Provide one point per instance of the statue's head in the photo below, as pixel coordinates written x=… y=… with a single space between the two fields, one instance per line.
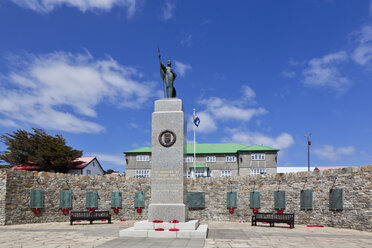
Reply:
x=169 y=63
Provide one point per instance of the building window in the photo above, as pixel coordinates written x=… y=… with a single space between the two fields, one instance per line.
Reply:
x=201 y=172
x=188 y=173
x=258 y=171
x=142 y=173
x=230 y=159
x=210 y=159
x=94 y=164
x=258 y=156
x=189 y=159
x=142 y=158
x=89 y=172
x=226 y=173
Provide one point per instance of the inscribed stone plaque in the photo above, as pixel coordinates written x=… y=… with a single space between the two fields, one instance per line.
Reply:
x=36 y=198
x=279 y=199
x=336 y=199
x=254 y=199
x=91 y=199
x=115 y=199
x=195 y=200
x=231 y=200
x=65 y=199
x=139 y=199
x=306 y=200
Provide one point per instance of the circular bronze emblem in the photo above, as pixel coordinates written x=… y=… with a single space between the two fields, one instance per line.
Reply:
x=167 y=138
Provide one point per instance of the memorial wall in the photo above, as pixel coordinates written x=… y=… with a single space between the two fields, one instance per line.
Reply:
x=350 y=191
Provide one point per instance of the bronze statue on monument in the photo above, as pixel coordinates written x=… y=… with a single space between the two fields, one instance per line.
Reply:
x=168 y=76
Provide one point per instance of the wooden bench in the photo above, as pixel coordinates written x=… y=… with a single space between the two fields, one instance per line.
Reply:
x=273 y=218
x=90 y=216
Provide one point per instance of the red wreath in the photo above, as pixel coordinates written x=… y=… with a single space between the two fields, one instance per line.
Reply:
x=139 y=210
x=91 y=209
x=174 y=221
x=255 y=210
x=159 y=229
x=36 y=210
x=65 y=210
x=280 y=210
x=231 y=210
x=174 y=229
x=157 y=221
x=116 y=210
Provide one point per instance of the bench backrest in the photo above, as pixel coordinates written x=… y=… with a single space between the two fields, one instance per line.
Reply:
x=80 y=214
x=100 y=214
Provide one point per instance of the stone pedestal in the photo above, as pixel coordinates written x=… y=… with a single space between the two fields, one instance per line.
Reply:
x=168 y=168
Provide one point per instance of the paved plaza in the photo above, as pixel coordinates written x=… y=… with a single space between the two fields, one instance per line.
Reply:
x=221 y=234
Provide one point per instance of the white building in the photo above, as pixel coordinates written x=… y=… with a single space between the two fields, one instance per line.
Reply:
x=90 y=166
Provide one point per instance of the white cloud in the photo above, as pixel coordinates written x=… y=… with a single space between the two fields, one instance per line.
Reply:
x=363 y=52
x=283 y=141
x=181 y=68
x=207 y=123
x=46 y=6
x=55 y=91
x=323 y=72
x=289 y=74
x=187 y=40
x=333 y=153
x=168 y=10
x=248 y=93
x=109 y=158
x=8 y=123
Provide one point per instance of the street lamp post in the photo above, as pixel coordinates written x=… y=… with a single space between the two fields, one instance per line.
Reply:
x=308 y=150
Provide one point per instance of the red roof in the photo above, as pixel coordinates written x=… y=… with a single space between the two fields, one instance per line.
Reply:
x=329 y=167
x=34 y=166
x=85 y=160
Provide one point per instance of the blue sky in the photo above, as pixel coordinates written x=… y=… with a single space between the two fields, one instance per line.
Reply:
x=257 y=72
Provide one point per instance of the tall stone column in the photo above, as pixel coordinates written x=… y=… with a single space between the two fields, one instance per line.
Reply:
x=168 y=167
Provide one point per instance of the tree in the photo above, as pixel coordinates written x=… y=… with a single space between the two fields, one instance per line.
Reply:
x=48 y=152
x=109 y=171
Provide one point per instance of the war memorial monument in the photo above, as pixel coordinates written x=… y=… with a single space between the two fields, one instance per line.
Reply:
x=168 y=212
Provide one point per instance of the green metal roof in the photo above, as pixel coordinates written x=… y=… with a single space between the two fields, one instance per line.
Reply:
x=199 y=166
x=212 y=148
x=257 y=148
x=145 y=149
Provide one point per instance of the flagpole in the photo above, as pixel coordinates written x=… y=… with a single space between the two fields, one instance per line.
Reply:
x=194 y=148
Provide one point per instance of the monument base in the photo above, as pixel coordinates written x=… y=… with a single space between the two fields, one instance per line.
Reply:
x=167 y=211
x=146 y=229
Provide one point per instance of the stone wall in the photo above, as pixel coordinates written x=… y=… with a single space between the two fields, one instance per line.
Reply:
x=356 y=182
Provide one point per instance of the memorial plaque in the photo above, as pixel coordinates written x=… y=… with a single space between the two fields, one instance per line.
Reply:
x=115 y=199
x=65 y=199
x=91 y=199
x=139 y=199
x=279 y=199
x=231 y=200
x=36 y=198
x=336 y=199
x=254 y=199
x=195 y=200
x=306 y=200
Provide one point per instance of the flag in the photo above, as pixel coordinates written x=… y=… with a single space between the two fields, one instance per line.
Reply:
x=196 y=120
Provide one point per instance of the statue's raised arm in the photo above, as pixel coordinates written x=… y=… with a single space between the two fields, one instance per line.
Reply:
x=168 y=76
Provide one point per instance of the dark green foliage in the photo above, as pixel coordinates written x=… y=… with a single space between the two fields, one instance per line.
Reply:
x=109 y=171
x=39 y=148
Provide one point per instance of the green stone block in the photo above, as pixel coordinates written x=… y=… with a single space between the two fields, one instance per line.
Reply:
x=139 y=199
x=36 y=198
x=336 y=199
x=196 y=200
x=65 y=199
x=279 y=199
x=231 y=200
x=255 y=199
x=91 y=199
x=115 y=199
x=306 y=200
